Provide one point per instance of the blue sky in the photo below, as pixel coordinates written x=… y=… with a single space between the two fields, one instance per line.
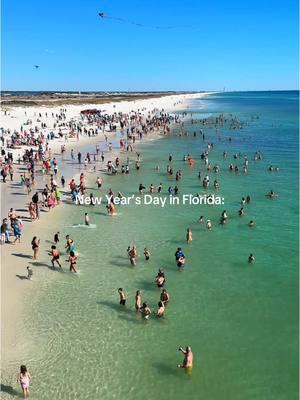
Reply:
x=239 y=45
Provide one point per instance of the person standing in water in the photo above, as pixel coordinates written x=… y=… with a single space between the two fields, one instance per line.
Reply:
x=145 y=310
x=187 y=363
x=72 y=261
x=35 y=243
x=132 y=255
x=161 y=309
x=122 y=297
x=164 y=296
x=138 y=300
x=146 y=254
x=55 y=256
x=24 y=380
x=86 y=219
x=189 y=235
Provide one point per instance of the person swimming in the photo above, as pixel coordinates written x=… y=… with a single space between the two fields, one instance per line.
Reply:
x=271 y=194
x=251 y=258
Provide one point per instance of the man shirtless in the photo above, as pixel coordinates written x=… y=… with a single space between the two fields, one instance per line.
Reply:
x=187 y=363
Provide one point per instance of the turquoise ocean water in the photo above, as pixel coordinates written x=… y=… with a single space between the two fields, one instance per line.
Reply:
x=240 y=319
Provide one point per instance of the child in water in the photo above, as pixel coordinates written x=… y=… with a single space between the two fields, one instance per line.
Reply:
x=24 y=380
x=146 y=254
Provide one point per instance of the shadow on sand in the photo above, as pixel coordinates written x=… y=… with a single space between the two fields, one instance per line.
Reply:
x=9 y=390
x=22 y=277
x=21 y=255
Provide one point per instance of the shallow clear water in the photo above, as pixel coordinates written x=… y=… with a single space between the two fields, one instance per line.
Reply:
x=241 y=320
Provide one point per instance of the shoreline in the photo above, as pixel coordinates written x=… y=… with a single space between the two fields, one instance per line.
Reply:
x=15 y=290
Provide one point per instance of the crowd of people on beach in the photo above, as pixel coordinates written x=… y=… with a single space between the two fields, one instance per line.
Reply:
x=39 y=160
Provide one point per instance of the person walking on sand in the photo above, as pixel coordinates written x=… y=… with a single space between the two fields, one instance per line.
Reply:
x=35 y=243
x=17 y=233
x=24 y=380
x=56 y=238
x=29 y=273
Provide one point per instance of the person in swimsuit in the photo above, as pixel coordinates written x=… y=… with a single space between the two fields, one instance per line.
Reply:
x=29 y=273
x=122 y=297
x=146 y=254
x=145 y=310
x=86 y=219
x=161 y=309
x=99 y=182
x=72 y=261
x=138 y=300
x=160 y=279
x=24 y=380
x=69 y=243
x=164 y=296
x=271 y=195
x=56 y=238
x=35 y=243
x=187 y=363
x=189 y=235
x=251 y=258
x=132 y=255
x=55 y=256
